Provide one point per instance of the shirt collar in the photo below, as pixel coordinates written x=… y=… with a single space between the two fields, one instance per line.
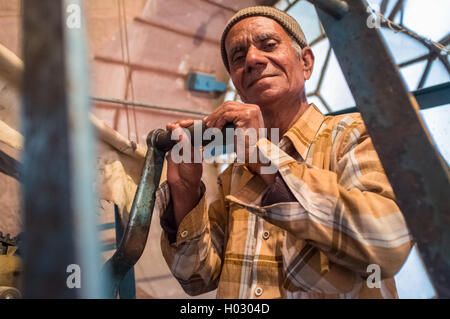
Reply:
x=302 y=133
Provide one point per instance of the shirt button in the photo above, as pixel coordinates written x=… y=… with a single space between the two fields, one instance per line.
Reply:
x=258 y=292
x=184 y=233
x=266 y=235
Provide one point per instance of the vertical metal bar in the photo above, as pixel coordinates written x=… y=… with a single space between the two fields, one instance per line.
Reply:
x=397 y=7
x=417 y=173
x=425 y=74
x=49 y=245
x=58 y=158
x=383 y=6
x=82 y=148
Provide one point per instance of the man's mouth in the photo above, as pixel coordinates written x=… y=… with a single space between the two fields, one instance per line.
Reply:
x=260 y=78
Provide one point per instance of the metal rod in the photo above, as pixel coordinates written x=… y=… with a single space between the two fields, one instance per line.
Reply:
x=433 y=96
x=397 y=7
x=82 y=148
x=61 y=248
x=427 y=98
x=416 y=171
x=154 y=107
x=290 y=5
x=335 y=8
x=49 y=246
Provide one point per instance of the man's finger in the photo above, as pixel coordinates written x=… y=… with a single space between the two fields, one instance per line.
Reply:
x=185 y=123
x=180 y=123
x=172 y=126
x=226 y=117
x=211 y=120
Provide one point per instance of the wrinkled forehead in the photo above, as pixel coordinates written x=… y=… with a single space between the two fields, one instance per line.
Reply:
x=253 y=29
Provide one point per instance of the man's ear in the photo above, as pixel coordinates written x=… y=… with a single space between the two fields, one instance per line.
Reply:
x=308 y=62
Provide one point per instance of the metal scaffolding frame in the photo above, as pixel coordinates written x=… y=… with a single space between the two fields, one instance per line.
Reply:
x=427 y=98
x=415 y=169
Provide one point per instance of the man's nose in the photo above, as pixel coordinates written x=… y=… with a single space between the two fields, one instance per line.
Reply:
x=255 y=59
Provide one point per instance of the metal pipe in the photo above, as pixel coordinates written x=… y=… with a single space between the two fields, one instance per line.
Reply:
x=290 y=5
x=427 y=98
x=161 y=108
x=82 y=147
x=49 y=245
x=61 y=249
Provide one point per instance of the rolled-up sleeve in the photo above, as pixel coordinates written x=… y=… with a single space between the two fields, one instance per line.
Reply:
x=194 y=251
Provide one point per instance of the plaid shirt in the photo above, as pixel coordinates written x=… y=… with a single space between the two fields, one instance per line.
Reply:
x=319 y=246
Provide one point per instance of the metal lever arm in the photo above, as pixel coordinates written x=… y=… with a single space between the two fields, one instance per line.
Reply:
x=135 y=237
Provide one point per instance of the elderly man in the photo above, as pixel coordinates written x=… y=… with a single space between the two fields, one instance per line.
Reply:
x=323 y=225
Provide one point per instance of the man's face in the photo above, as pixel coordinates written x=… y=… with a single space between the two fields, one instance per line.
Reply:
x=264 y=66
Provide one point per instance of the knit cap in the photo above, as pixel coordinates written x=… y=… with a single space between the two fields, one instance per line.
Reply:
x=285 y=20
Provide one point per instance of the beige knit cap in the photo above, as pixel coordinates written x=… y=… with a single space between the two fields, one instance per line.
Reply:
x=285 y=20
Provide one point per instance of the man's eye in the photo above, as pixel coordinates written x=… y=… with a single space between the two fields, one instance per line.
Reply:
x=270 y=45
x=237 y=57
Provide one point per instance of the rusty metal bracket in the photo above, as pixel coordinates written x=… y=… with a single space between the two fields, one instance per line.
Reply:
x=418 y=175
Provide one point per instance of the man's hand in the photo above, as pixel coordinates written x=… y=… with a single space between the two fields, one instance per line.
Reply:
x=183 y=179
x=244 y=116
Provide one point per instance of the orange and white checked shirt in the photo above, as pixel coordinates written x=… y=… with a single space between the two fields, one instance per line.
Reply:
x=319 y=246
